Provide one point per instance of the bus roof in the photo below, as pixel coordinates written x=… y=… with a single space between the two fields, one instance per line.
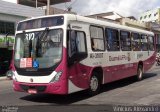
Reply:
x=111 y=25
x=94 y=21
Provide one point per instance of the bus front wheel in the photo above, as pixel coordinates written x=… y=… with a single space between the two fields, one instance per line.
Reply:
x=95 y=84
x=139 y=73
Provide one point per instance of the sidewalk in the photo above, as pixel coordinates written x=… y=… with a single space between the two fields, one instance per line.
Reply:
x=3 y=78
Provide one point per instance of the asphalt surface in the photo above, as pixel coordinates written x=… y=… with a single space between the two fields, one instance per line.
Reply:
x=126 y=92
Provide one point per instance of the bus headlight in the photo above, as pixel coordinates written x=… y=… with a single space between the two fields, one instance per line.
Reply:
x=56 y=77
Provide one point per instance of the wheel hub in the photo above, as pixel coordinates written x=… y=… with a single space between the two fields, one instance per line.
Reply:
x=94 y=83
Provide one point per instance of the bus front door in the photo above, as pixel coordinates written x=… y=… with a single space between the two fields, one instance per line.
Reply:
x=76 y=47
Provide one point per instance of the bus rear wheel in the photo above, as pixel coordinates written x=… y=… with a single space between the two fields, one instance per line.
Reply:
x=95 y=84
x=139 y=73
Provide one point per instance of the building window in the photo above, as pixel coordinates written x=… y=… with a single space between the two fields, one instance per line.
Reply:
x=145 y=16
x=7 y=27
x=156 y=14
x=97 y=38
x=125 y=41
x=112 y=38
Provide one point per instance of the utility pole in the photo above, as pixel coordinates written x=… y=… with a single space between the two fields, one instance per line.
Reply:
x=36 y=3
x=48 y=7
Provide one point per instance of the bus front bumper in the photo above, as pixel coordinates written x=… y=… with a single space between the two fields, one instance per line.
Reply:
x=51 y=88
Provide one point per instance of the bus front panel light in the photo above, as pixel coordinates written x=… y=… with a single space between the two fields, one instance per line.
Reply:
x=13 y=76
x=56 y=77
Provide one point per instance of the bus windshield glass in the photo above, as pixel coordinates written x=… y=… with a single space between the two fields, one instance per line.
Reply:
x=39 y=49
x=40 y=23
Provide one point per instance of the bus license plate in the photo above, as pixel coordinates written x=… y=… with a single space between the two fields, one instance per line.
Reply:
x=32 y=91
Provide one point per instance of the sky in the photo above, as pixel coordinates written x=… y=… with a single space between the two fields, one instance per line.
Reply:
x=123 y=7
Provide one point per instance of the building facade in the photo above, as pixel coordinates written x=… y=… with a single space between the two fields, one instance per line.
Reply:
x=10 y=15
x=151 y=16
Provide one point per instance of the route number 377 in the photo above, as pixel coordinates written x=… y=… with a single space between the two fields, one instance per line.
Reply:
x=30 y=36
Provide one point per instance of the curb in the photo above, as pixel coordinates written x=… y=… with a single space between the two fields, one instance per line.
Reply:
x=3 y=78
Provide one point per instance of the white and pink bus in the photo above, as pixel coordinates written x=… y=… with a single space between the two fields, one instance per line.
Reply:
x=62 y=54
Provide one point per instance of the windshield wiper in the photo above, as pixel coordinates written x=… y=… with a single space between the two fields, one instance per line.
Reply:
x=45 y=32
x=41 y=38
x=27 y=52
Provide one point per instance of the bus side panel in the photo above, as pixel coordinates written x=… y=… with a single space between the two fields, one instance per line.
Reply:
x=118 y=72
x=149 y=62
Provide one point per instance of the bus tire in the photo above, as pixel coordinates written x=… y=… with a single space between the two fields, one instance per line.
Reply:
x=94 y=85
x=139 y=73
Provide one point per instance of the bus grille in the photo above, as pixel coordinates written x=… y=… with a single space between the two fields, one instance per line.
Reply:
x=38 y=88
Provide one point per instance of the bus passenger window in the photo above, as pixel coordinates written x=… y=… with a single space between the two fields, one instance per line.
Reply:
x=94 y=44
x=97 y=38
x=151 y=43
x=112 y=39
x=136 y=45
x=144 y=43
x=125 y=41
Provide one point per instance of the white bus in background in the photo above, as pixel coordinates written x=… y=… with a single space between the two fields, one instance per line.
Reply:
x=62 y=54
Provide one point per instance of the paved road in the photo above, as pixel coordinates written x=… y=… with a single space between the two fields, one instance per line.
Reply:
x=123 y=92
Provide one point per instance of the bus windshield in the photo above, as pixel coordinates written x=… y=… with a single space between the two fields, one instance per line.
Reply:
x=40 y=49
